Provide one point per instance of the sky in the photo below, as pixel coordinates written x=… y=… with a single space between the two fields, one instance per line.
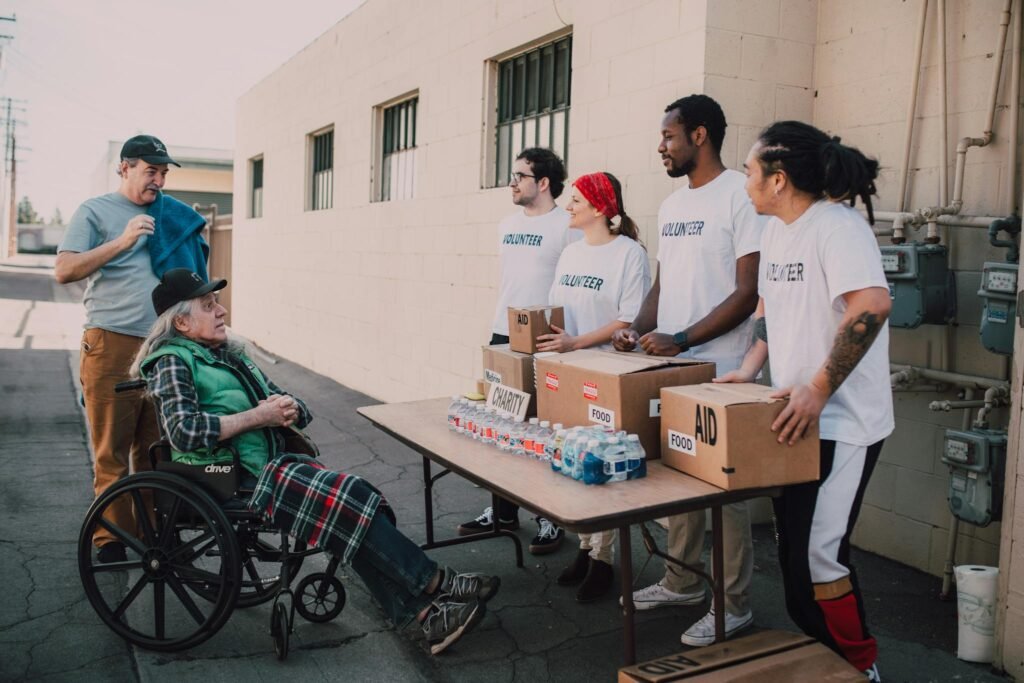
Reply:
x=91 y=71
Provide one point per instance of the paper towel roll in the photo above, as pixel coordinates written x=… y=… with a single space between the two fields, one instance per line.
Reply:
x=976 y=607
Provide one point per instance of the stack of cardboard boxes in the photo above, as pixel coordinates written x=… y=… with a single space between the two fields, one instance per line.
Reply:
x=716 y=432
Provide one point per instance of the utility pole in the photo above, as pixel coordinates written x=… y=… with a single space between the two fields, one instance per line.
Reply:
x=9 y=218
x=9 y=211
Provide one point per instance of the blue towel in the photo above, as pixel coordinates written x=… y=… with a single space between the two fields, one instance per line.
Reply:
x=177 y=241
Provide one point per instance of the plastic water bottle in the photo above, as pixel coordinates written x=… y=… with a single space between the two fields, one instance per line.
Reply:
x=553 y=449
x=540 y=441
x=614 y=457
x=453 y=410
x=487 y=426
x=584 y=447
x=569 y=450
x=460 y=416
x=592 y=464
x=516 y=437
x=636 y=458
x=530 y=436
x=501 y=429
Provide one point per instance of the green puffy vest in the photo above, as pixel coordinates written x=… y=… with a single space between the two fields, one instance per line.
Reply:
x=222 y=390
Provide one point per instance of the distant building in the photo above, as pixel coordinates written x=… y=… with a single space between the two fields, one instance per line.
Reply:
x=39 y=238
x=205 y=176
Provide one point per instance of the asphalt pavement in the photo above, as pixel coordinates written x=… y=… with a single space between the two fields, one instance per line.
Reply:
x=534 y=629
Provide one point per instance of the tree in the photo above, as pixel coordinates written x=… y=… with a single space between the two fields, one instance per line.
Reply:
x=57 y=219
x=26 y=214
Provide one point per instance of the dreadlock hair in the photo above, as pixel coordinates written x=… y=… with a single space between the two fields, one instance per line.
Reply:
x=817 y=164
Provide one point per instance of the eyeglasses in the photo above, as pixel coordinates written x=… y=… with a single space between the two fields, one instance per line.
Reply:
x=517 y=177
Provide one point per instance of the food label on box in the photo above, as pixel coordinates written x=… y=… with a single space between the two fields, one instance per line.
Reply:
x=492 y=376
x=601 y=416
x=551 y=381
x=509 y=400
x=684 y=443
x=655 y=407
x=590 y=391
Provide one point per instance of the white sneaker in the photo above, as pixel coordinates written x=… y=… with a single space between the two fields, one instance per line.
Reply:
x=872 y=673
x=703 y=632
x=657 y=595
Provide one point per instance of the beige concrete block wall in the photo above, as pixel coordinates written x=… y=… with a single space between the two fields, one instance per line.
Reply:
x=863 y=66
x=395 y=298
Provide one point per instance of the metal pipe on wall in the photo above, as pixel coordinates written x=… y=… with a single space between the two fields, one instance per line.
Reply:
x=904 y=374
x=1014 y=113
x=912 y=107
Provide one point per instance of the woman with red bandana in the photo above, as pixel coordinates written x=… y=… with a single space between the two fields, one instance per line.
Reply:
x=600 y=281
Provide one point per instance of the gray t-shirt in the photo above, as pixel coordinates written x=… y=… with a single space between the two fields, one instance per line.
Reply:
x=119 y=295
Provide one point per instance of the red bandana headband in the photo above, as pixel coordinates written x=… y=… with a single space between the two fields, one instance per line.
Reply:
x=598 y=191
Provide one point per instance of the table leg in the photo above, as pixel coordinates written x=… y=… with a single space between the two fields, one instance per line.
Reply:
x=428 y=501
x=628 y=610
x=428 y=507
x=718 y=572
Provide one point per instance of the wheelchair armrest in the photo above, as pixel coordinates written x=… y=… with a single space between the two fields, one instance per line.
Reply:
x=156 y=448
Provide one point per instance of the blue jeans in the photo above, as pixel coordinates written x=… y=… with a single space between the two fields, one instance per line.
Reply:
x=395 y=570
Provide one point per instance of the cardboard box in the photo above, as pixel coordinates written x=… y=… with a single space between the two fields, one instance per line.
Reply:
x=758 y=658
x=527 y=323
x=621 y=390
x=721 y=433
x=504 y=366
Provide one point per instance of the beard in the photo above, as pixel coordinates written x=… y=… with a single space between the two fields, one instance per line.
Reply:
x=679 y=170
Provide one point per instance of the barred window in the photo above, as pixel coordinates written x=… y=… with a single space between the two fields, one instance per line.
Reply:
x=533 y=104
x=398 y=146
x=256 y=199
x=322 y=170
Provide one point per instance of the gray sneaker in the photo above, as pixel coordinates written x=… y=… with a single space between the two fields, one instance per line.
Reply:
x=466 y=587
x=447 y=621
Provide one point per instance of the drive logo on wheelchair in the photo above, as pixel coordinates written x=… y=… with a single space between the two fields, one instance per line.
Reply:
x=218 y=469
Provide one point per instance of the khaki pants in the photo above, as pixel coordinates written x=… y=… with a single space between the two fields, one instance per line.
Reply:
x=122 y=426
x=686 y=542
x=600 y=544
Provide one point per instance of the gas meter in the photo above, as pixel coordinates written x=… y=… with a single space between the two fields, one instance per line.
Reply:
x=976 y=459
x=921 y=285
x=999 y=292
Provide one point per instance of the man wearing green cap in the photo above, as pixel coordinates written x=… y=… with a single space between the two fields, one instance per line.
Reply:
x=105 y=242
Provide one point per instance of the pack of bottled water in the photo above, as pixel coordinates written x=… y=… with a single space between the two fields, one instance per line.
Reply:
x=593 y=454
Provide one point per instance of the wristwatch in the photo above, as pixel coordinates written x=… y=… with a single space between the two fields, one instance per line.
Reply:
x=680 y=340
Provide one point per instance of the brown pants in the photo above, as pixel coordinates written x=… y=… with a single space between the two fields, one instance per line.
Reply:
x=686 y=541
x=122 y=426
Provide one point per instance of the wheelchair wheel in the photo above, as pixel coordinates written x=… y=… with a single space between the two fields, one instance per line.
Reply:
x=319 y=597
x=148 y=599
x=280 y=630
x=261 y=566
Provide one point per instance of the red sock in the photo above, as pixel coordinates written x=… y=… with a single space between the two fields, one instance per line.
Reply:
x=843 y=621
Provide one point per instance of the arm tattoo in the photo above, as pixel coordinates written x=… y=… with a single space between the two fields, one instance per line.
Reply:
x=851 y=343
x=760 y=329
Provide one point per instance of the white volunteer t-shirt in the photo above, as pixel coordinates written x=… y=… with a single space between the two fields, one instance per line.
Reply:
x=702 y=232
x=806 y=267
x=528 y=250
x=599 y=284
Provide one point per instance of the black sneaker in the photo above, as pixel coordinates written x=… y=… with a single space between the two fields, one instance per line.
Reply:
x=548 y=538
x=467 y=587
x=447 y=621
x=484 y=523
x=111 y=552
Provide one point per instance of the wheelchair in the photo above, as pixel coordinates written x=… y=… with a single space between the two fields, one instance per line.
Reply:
x=199 y=554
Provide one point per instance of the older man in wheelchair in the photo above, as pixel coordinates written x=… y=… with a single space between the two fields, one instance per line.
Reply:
x=224 y=420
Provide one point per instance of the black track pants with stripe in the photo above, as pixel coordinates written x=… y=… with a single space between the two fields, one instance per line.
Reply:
x=814 y=522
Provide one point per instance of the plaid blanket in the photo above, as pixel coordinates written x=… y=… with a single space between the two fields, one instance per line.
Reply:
x=321 y=507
